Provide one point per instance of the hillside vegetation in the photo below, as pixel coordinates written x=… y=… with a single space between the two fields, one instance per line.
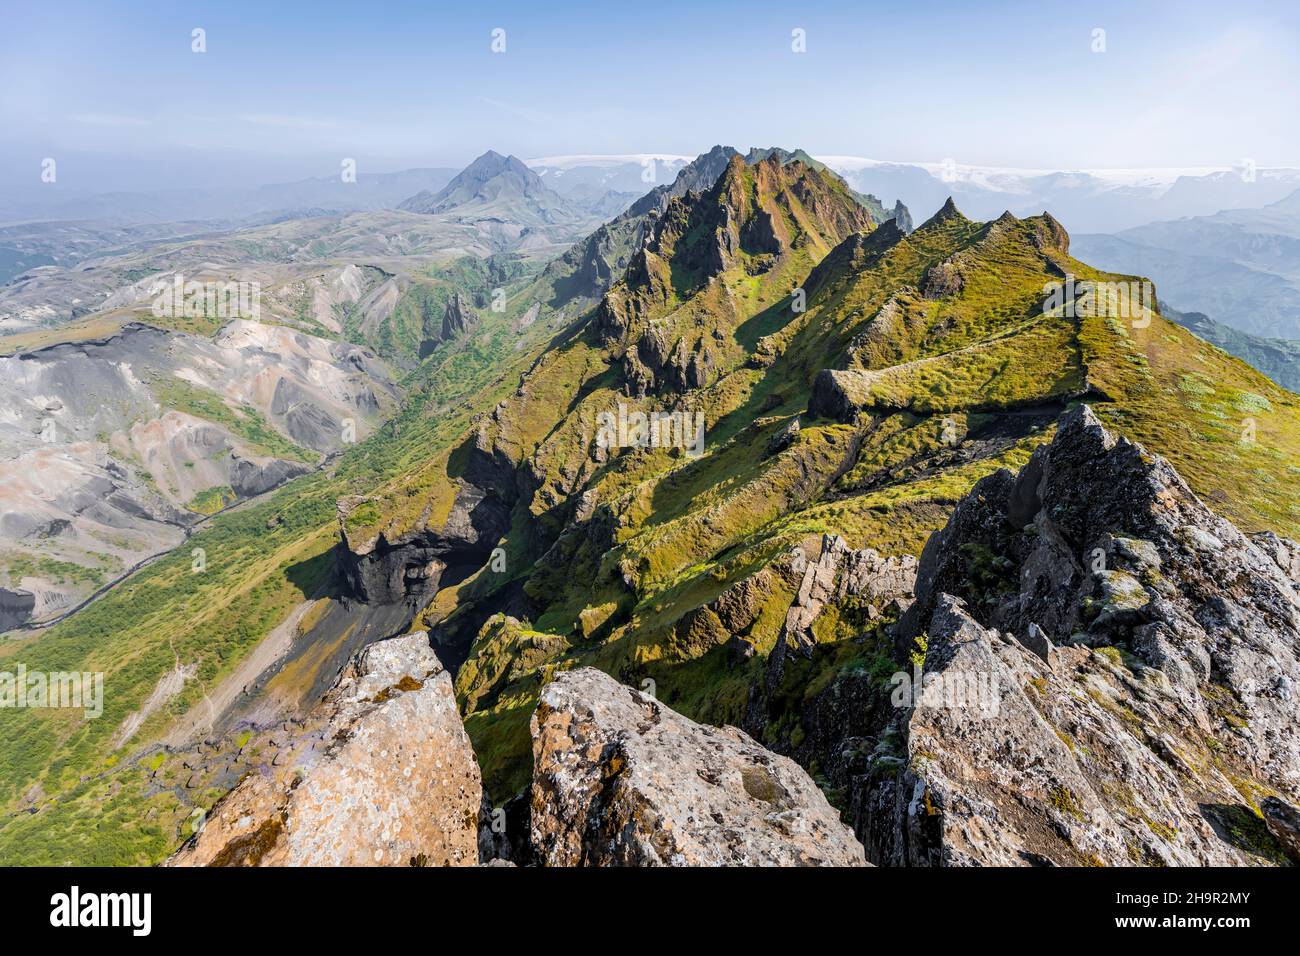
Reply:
x=853 y=381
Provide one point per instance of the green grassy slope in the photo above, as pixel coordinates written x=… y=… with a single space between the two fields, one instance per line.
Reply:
x=94 y=802
x=945 y=366
x=958 y=370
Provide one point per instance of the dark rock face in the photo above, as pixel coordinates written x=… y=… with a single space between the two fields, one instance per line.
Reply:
x=413 y=569
x=902 y=218
x=459 y=318
x=1097 y=542
x=1109 y=676
x=15 y=607
x=1283 y=821
x=831 y=396
x=252 y=477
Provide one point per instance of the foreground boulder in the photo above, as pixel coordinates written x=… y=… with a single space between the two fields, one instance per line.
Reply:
x=619 y=779
x=383 y=774
x=1109 y=673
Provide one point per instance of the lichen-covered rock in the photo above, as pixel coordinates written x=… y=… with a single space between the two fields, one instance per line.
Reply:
x=620 y=779
x=1135 y=656
x=383 y=775
x=1284 y=552
x=1009 y=761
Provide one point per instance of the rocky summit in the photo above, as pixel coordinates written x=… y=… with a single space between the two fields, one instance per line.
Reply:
x=1124 y=665
x=381 y=774
x=621 y=780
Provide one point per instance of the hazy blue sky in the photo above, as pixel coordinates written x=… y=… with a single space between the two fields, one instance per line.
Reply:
x=286 y=89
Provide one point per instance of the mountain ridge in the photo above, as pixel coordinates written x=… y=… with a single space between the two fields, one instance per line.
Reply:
x=492 y=513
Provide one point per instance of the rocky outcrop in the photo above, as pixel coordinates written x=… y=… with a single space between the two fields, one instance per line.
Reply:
x=1285 y=554
x=1108 y=677
x=902 y=218
x=380 y=774
x=1283 y=821
x=1007 y=760
x=620 y=779
x=15 y=607
x=840 y=573
x=410 y=569
x=943 y=279
x=250 y=477
x=838 y=394
x=871 y=589
x=458 y=318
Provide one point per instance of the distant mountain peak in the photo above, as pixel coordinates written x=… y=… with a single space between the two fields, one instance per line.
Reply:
x=499 y=186
x=492 y=163
x=948 y=212
x=760 y=220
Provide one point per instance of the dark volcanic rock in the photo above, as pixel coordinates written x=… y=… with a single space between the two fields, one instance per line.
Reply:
x=459 y=318
x=834 y=395
x=902 y=218
x=1283 y=821
x=15 y=607
x=250 y=477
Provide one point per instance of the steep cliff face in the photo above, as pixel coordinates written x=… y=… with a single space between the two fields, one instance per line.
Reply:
x=458 y=318
x=902 y=217
x=380 y=564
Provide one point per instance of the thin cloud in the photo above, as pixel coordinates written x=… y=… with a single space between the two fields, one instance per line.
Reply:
x=107 y=119
x=528 y=115
x=296 y=122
